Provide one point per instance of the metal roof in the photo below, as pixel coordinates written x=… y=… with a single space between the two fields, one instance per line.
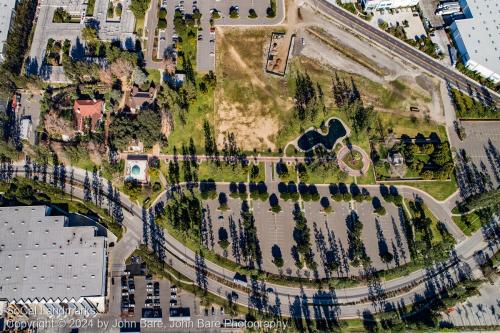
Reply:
x=43 y=259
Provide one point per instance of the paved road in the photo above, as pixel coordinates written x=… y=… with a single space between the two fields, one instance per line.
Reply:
x=150 y=27
x=219 y=280
x=404 y=50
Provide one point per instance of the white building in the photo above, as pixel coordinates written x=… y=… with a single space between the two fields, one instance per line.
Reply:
x=477 y=37
x=26 y=126
x=372 y=5
x=6 y=10
x=48 y=267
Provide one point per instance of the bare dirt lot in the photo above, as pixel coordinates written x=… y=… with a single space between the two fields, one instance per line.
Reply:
x=258 y=107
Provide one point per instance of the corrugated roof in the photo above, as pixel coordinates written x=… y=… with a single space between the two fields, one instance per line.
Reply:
x=41 y=258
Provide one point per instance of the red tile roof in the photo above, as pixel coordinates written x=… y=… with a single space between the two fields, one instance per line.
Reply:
x=87 y=109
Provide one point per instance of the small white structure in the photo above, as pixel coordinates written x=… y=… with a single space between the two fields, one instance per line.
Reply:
x=396 y=159
x=135 y=146
x=136 y=168
x=25 y=132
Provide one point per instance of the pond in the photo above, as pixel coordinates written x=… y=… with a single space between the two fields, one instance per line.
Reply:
x=312 y=138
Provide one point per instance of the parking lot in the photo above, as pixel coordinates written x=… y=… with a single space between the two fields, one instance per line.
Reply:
x=480 y=144
x=415 y=26
x=480 y=310
x=205 y=57
x=328 y=231
x=147 y=298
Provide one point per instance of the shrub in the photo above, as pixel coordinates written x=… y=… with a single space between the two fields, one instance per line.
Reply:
x=380 y=210
x=252 y=13
x=162 y=24
x=118 y=9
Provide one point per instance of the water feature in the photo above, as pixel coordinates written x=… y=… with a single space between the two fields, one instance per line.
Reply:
x=312 y=138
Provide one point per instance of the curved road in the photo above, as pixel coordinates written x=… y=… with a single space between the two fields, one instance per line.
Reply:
x=404 y=50
x=289 y=299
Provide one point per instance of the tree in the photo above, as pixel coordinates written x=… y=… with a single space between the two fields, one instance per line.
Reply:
x=117 y=208
x=122 y=69
x=146 y=128
x=139 y=77
x=139 y=8
x=16 y=44
x=118 y=9
x=89 y=34
x=87 y=192
x=132 y=189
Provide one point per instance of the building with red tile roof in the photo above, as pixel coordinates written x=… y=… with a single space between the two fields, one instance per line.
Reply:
x=87 y=109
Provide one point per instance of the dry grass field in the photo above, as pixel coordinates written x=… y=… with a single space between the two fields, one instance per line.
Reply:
x=258 y=107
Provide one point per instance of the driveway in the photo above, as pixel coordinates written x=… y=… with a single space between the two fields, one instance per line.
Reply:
x=30 y=107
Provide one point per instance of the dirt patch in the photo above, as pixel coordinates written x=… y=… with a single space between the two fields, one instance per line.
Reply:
x=345 y=50
x=252 y=131
x=57 y=126
x=249 y=102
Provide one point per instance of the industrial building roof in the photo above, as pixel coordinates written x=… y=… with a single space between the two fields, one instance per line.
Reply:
x=6 y=9
x=43 y=259
x=481 y=32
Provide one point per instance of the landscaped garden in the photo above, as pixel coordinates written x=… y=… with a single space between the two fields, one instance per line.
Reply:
x=469 y=108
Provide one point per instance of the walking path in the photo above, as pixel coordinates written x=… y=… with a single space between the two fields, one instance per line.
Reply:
x=219 y=280
x=353 y=172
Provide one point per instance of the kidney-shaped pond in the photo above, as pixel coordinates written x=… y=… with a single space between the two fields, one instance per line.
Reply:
x=312 y=138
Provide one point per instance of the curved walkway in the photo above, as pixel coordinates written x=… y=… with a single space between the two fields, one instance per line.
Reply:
x=344 y=167
x=219 y=280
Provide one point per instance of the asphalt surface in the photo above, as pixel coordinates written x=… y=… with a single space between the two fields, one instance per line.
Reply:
x=405 y=51
x=218 y=280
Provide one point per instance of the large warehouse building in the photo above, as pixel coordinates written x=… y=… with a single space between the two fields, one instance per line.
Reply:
x=49 y=267
x=477 y=37
x=6 y=10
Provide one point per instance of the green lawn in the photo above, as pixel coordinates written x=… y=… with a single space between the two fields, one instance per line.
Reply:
x=224 y=173
x=439 y=189
x=467 y=223
x=200 y=109
x=436 y=235
x=470 y=223
x=90 y=8
x=139 y=27
x=154 y=75
x=354 y=160
x=368 y=178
